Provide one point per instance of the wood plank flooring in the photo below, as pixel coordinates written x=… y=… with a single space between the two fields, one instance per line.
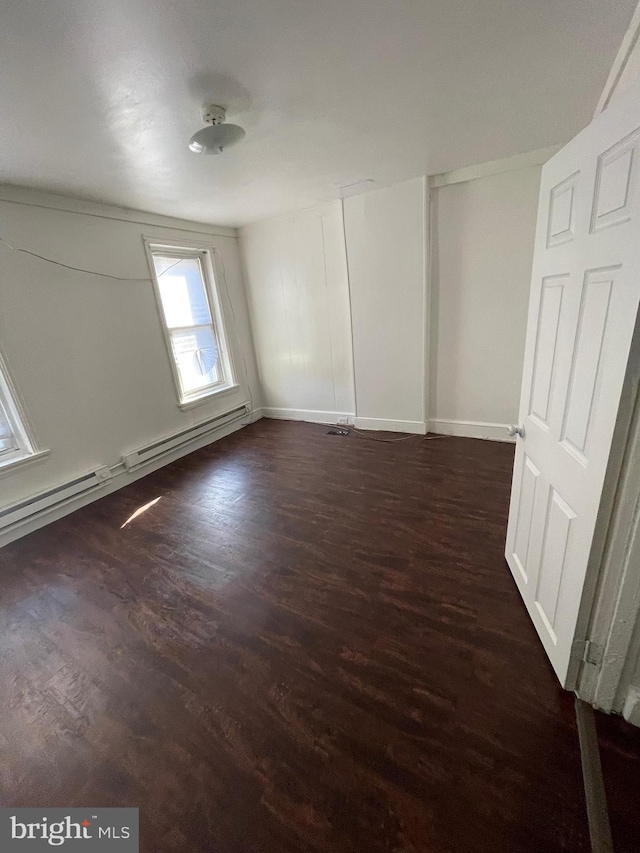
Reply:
x=308 y=643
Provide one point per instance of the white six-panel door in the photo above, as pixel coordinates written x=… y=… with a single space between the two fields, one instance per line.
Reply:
x=584 y=300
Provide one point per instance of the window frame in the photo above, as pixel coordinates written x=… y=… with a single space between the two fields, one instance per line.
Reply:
x=211 y=275
x=26 y=451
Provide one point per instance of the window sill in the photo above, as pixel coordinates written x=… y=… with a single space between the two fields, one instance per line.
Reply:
x=12 y=465
x=208 y=397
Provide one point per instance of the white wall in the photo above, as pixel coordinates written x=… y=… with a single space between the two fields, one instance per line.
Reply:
x=86 y=353
x=386 y=245
x=482 y=248
x=333 y=341
x=306 y=327
x=299 y=291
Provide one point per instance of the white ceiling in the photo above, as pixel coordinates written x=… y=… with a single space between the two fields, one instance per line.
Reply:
x=99 y=97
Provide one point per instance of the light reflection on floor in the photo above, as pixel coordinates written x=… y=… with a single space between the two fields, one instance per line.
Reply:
x=140 y=510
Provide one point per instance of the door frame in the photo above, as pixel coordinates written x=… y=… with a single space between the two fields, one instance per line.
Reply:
x=623 y=57
x=614 y=575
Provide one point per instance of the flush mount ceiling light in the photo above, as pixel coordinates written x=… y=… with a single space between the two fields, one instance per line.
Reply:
x=218 y=136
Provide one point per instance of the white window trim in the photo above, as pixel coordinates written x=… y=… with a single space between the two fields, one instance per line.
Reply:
x=203 y=398
x=27 y=451
x=213 y=275
x=11 y=466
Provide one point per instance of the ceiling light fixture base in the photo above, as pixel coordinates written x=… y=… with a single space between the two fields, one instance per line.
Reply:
x=213 y=114
x=216 y=136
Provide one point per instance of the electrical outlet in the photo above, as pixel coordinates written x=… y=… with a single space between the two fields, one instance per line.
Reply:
x=344 y=420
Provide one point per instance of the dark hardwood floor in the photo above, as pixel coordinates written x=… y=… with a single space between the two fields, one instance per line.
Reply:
x=309 y=643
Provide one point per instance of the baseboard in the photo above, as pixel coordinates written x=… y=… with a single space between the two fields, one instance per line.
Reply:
x=317 y=417
x=120 y=478
x=311 y=415
x=471 y=429
x=414 y=427
x=255 y=415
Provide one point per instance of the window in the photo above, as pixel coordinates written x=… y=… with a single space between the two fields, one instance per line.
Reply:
x=15 y=444
x=190 y=309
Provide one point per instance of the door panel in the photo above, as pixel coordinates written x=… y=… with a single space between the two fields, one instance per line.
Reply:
x=546 y=346
x=584 y=299
x=562 y=212
x=557 y=528
x=614 y=185
x=524 y=517
x=587 y=360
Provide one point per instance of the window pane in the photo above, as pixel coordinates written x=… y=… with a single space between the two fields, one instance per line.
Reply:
x=182 y=291
x=197 y=357
x=7 y=438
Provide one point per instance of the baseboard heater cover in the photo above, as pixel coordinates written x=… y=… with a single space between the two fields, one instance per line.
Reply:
x=151 y=452
x=49 y=499
x=52 y=499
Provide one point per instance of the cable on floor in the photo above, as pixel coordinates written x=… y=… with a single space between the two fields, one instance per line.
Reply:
x=393 y=440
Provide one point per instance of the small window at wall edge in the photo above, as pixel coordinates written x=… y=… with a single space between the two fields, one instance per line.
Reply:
x=190 y=311
x=16 y=444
